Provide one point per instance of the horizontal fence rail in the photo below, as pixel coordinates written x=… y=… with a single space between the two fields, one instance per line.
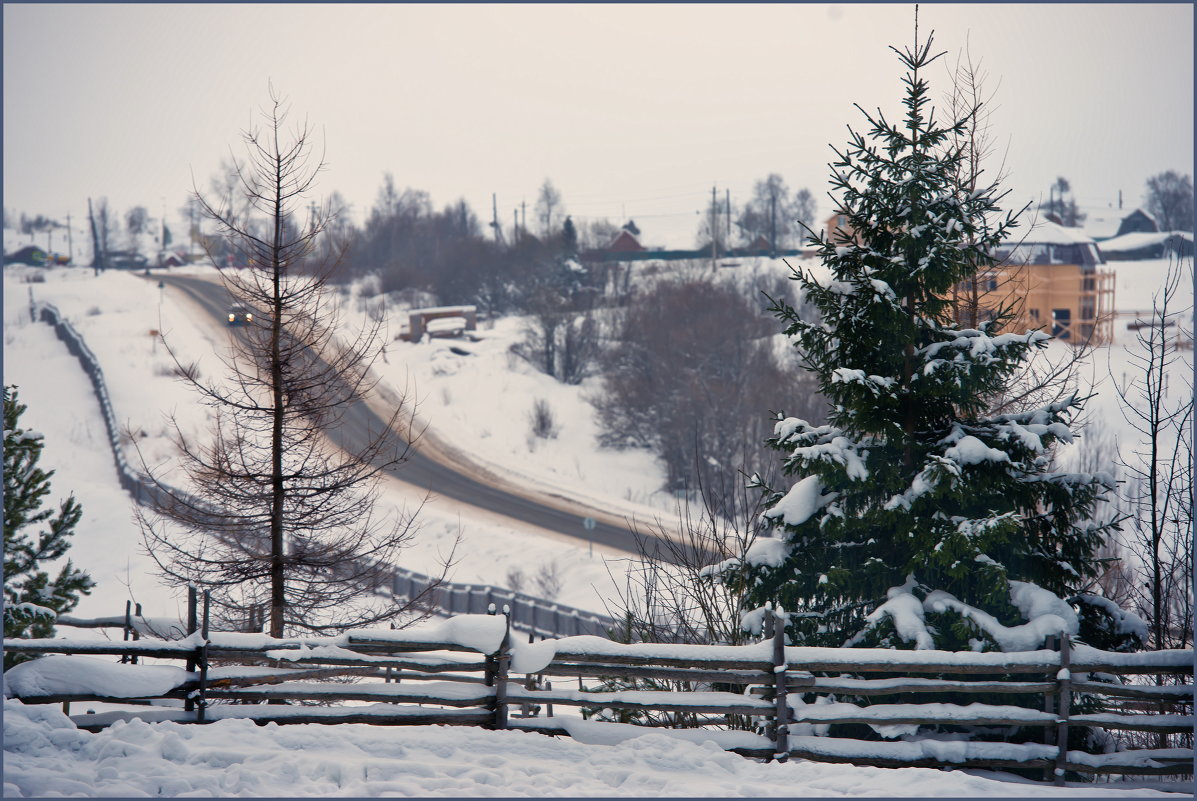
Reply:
x=529 y=614
x=471 y=670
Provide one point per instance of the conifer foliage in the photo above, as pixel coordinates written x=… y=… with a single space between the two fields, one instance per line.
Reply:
x=32 y=600
x=918 y=520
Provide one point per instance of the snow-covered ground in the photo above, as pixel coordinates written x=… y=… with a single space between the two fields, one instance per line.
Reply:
x=45 y=755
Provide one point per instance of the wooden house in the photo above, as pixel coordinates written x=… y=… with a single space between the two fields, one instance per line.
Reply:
x=1138 y=222
x=1052 y=280
x=624 y=242
x=30 y=254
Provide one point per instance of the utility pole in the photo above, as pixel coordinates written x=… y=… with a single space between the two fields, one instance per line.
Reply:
x=727 y=199
x=714 y=231
x=70 y=242
x=494 y=220
x=773 y=223
x=523 y=216
x=515 y=226
x=97 y=255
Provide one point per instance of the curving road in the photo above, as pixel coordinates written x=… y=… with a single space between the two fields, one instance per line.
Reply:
x=431 y=465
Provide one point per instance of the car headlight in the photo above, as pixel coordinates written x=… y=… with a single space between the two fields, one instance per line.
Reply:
x=249 y=318
x=232 y=317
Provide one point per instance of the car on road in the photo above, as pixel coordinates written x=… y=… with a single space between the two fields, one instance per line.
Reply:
x=240 y=315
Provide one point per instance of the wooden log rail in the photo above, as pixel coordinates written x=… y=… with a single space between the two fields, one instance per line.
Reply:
x=425 y=677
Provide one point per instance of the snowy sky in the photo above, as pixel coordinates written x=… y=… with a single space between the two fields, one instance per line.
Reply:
x=632 y=110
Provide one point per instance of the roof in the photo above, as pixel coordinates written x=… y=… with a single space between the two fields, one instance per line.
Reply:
x=1142 y=239
x=1049 y=233
x=624 y=241
x=1101 y=222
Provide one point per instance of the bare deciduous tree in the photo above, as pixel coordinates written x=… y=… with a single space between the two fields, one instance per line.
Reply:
x=548 y=205
x=692 y=375
x=1158 y=403
x=137 y=221
x=1169 y=199
x=775 y=215
x=103 y=230
x=1045 y=377
x=279 y=519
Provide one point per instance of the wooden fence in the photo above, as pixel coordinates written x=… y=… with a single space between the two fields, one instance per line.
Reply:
x=461 y=672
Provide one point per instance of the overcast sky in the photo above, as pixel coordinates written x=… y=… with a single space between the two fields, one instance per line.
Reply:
x=632 y=110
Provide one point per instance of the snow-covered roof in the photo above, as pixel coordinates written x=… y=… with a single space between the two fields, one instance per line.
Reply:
x=1141 y=239
x=1044 y=232
x=1102 y=222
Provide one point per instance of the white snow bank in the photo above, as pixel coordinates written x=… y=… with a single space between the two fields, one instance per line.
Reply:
x=45 y=755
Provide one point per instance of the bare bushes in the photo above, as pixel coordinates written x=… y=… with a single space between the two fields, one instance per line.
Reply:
x=563 y=344
x=693 y=374
x=546 y=581
x=671 y=595
x=562 y=336
x=544 y=425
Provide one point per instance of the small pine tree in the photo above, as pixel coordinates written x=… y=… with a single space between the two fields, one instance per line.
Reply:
x=920 y=519
x=32 y=600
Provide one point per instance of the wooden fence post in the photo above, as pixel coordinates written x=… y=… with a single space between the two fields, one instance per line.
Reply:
x=1049 y=705
x=189 y=703
x=1064 y=679
x=128 y=627
x=136 y=632
x=781 y=751
x=502 y=662
x=531 y=682
x=203 y=662
x=490 y=664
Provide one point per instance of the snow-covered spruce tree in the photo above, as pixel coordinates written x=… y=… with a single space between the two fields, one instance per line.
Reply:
x=919 y=520
x=32 y=600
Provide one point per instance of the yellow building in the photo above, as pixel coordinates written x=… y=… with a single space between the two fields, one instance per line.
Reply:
x=1052 y=280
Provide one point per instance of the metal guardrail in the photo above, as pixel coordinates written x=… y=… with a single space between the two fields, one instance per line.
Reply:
x=527 y=613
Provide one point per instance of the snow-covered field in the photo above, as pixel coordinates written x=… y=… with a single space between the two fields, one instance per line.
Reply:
x=480 y=404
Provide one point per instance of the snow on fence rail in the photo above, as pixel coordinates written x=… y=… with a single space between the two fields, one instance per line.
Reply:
x=529 y=614
x=472 y=670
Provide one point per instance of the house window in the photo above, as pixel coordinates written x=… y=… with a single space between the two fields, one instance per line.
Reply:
x=1061 y=323
x=1088 y=308
x=1034 y=315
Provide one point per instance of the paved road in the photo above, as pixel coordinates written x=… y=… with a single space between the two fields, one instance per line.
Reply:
x=430 y=470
